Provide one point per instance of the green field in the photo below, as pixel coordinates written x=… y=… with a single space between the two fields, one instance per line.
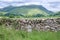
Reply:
x=12 y=34
x=16 y=17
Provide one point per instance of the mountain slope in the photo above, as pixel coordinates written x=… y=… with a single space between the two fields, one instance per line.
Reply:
x=27 y=10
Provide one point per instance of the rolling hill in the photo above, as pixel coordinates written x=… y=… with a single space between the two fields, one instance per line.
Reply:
x=27 y=10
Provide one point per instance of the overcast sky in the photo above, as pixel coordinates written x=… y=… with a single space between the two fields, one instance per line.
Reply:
x=53 y=5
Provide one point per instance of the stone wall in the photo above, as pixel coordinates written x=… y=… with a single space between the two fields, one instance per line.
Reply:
x=34 y=24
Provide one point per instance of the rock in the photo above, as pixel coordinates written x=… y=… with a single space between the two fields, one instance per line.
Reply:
x=58 y=20
x=35 y=24
x=29 y=28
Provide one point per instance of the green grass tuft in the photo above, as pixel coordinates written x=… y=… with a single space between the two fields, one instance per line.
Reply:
x=12 y=34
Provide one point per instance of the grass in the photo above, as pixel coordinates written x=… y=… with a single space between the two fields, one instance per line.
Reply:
x=12 y=34
x=31 y=18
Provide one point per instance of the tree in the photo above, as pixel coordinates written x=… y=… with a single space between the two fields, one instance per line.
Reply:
x=57 y=14
x=11 y=16
x=38 y=15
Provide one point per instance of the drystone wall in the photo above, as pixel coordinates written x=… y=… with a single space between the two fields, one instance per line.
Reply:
x=34 y=24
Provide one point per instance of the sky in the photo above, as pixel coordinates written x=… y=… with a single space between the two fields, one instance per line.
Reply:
x=52 y=5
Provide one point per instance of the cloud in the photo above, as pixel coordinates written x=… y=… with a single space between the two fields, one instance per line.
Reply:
x=53 y=5
x=8 y=0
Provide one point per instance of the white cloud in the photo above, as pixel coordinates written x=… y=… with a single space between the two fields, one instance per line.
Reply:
x=7 y=0
x=53 y=5
x=11 y=0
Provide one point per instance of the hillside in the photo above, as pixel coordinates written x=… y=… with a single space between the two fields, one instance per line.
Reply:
x=27 y=10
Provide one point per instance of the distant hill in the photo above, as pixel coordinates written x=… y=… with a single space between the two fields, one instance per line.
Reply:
x=57 y=14
x=27 y=10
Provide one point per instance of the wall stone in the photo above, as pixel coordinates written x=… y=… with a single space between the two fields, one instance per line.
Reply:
x=35 y=24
